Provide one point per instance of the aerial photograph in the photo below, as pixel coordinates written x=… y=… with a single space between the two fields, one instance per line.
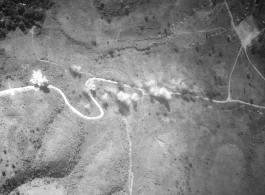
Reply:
x=132 y=97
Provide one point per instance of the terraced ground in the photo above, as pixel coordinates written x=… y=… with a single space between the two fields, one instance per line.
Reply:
x=143 y=97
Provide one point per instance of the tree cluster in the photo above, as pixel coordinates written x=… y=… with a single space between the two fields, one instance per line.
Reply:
x=22 y=14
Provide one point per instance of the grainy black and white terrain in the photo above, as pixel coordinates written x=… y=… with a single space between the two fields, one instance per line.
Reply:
x=136 y=97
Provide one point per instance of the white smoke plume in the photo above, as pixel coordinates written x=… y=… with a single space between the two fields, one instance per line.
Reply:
x=38 y=79
x=151 y=83
x=105 y=97
x=124 y=97
x=127 y=98
x=76 y=67
x=135 y=97
x=158 y=91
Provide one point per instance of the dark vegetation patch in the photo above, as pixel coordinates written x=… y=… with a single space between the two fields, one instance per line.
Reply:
x=45 y=89
x=120 y=86
x=85 y=94
x=243 y=8
x=105 y=105
x=212 y=94
x=29 y=174
x=135 y=106
x=161 y=100
x=29 y=171
x=124 y=109
x=94 y=93
x=187 y=95
x=75 y=73
x=259 y=13
x=256 y=125
x=23 y=14
x=114 y=190
x=257 y=49
x=113 y=8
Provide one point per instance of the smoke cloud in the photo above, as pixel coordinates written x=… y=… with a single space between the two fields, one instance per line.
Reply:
x=127 y=98
x=156 y=91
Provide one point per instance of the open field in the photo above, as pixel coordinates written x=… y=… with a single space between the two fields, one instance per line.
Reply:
x=143 y=97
